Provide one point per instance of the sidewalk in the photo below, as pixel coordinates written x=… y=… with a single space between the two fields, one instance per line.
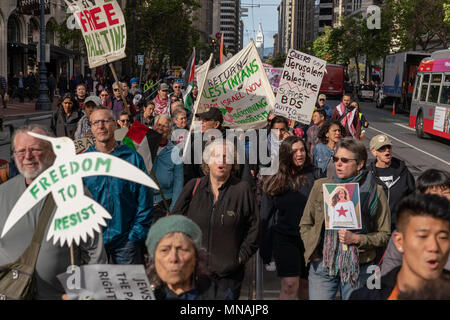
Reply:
x=16 y=110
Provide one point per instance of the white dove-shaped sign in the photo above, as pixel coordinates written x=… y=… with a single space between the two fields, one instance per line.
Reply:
x=77 y=215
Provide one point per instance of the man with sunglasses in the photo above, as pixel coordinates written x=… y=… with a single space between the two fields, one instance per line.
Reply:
x=129 y=203
x=321 y=103
x=391 y=173
x=177 y=92
x=116 y=103
x=124 y=120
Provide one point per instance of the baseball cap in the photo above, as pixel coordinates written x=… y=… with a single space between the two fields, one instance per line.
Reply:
x=164 y=87
x=379 y=141
x=96 y=100
x=211 y=114
x=322 y=96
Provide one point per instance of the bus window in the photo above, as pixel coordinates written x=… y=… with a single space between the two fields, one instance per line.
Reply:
x=416 y=89
x=424 y=88
x=445 y=94
x=433 y=94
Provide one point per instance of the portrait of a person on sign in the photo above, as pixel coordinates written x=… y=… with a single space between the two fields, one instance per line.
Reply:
x=342 y=207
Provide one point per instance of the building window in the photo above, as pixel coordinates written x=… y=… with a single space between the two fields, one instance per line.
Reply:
x=32 y=26
x=13 y=29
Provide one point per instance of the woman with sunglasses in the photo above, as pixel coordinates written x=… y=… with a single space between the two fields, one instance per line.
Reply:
x=104 y=96
x=284 y=197
x=329 y=135
x=333 y=265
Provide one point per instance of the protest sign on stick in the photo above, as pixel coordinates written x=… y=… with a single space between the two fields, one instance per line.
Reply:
x=104 y=31
x=77 y=216
x=299 y=86
x=240 y=89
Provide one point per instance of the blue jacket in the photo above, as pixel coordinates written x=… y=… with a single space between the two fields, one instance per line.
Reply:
x=322 y=155
x=170 y=175
x=129 y=203
x=328 y=111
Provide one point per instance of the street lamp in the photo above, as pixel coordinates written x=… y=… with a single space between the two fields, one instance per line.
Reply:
x=43 y=102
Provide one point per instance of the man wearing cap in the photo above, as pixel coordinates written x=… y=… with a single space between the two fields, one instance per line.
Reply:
x=321 y=103
x=391 y=173
x=161 y=101
x=84 y=126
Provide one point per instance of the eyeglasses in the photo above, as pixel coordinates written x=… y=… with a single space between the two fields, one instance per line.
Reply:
x=383 y=148
x=321 y=99
x=125 y=120
x=104 y=95
x=96 y=123
x=116 y=89
x=34 y=151
x=344 y=160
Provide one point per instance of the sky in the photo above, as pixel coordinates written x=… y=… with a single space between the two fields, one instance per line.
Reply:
x=266 y=14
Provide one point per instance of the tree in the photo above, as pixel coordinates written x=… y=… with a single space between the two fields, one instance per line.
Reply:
x=419 y=23
x=277 y=61
x=325 y=47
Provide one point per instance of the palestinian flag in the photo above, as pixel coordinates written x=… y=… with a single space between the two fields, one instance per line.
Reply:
x=145 y=141
x=189 y=78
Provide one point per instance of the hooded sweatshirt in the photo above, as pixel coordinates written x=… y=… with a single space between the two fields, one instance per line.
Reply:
x=397 y=183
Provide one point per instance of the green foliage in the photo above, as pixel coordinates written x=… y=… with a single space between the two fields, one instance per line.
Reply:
x=71 y=39
x=447 y=12
x=418 y=22
x=277 y=61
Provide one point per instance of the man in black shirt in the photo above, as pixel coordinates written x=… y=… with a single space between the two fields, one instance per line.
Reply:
x=391 y=173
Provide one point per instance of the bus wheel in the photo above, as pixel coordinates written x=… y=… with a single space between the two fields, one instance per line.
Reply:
x=419 y=126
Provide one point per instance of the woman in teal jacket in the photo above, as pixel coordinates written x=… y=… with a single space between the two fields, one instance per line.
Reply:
x=168 y=168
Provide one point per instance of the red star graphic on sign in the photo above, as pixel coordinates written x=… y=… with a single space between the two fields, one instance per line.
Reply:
x=342 y=212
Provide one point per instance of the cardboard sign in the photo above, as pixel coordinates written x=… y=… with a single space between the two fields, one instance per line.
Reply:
x=82 y=144
x=240 y=89
x=106 y=282
x=103 y=27
x=76 y=216
x=299 y=86
x=342 y=206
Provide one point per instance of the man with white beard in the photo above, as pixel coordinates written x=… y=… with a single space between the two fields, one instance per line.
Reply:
x=32 y=157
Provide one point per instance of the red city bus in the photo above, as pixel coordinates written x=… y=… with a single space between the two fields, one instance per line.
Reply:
x=430 y=106
x=333 y=80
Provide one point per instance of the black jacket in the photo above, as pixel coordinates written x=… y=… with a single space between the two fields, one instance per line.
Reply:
x=206 y=289
x=230 y=226
x=402 y=186
x=282 y=213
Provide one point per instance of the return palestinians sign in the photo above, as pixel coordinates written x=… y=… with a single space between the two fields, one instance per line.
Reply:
x=103 y=26
x=299 y=86
x=240 y=89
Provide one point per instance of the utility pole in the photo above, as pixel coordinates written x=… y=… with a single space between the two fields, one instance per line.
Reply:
x=43 y=102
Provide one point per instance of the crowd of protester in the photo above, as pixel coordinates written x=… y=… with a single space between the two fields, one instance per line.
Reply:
x=211 y=216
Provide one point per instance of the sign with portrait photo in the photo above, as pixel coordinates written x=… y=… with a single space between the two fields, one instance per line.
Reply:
x=342 y=206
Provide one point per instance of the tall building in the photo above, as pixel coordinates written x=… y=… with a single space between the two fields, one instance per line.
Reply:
x=203 y=20
x=259 y=43
x=295 y=24
x=226 y=19
x=343 y=8
x=325 y=15
x=275 y=44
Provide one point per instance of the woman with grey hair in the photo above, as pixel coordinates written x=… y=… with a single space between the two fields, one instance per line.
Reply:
x=168 y=168
x=225 y=209
x=176 y=265
x=179 y=118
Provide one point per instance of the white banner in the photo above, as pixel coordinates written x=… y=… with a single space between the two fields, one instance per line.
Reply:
x=299 y=86
x=103 y=27
x=240 y=89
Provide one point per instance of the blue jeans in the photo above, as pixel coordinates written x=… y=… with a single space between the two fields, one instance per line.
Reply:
x=322 y=286
x=127 y=253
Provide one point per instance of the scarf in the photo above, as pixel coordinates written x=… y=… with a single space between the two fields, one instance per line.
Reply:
x=347 y=120
x=346 y=263
x=161 y=106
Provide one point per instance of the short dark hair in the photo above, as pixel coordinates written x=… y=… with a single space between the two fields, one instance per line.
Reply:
x=422 y=204
x=433 y=178
x=124 y=113
x=279 y=119
x=321 y=111
x=326 y=127
x=356 y=147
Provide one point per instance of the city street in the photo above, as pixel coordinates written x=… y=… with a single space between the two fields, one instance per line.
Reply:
x=419 y=155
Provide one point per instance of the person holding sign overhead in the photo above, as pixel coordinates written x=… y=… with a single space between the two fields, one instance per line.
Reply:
x=331 y=265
